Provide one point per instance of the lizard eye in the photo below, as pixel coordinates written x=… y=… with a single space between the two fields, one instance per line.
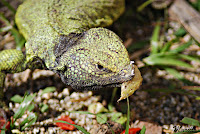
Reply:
x=100 y=67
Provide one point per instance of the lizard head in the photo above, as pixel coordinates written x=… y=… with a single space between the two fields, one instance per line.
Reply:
x=97 y=59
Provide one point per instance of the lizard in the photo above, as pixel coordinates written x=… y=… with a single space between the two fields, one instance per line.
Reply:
x=68 y=37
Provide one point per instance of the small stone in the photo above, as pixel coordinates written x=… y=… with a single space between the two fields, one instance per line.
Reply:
x=55 y=94
x=36 y=130
x=10 y=105
x=60 y=95
x=38 y=99
x=65 y=91
x=46 y=96
x=42 y=130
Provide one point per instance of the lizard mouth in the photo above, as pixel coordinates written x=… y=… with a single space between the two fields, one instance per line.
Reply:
x=96 y=87
x=110 y=85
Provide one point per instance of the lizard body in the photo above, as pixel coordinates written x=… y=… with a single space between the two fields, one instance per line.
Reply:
x=62 y=36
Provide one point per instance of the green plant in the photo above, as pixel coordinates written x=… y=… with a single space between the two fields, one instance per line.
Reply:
x=20 y=41
x=24 y=105
x=143 y=130
x=191 y=122
x=164 y=57
x=103 y=118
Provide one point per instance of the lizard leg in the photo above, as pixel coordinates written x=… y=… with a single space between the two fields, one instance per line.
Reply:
x=11 y=61
x=14 y=61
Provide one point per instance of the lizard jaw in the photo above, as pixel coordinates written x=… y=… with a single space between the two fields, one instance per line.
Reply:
x=96 y=87
x=125 y=75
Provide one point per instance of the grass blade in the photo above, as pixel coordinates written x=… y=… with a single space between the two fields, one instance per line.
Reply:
x=141 y=7
x=28 y=121
x=143 y=130
x=174 y=72
x=48 y=90
x=168 y=45
x=180 y=32
x=177 y=74
x=181 y=47
x=128 y=117
x=167 y=60
x=78 y=127
x=190 y=58
x=23 y=106
x=154 y=39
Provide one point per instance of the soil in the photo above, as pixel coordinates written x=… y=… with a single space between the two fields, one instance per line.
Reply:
x=158 y=104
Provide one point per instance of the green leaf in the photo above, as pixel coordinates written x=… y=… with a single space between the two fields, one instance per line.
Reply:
x=116 y=116
x=174 y=72
x=177 y=74
x=143 y=130
x=111 y=108
x=121 y=120
x=48 y=90
x=44 y=108
x=190 y=58
x=157 y=59
x=101 y=118
x=28 y=121
x=190 y=121
x=168 y=45
x=180 y=32
x=146 y=3
x=78 y=127
x=154 y=39
x=181 y=47
x=23 y=106
x=30 y=107
x=17 y=99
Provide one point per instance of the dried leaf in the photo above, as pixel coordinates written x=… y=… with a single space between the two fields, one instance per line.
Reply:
x=129 y=87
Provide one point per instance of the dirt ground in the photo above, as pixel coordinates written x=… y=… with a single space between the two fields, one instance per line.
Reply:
x=157 y=104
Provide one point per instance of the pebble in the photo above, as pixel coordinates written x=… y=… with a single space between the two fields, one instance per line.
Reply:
x=36 y=130
x=46 y=96
x=65 y=92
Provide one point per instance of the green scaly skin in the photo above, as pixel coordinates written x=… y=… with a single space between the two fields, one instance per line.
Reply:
x=62 y=36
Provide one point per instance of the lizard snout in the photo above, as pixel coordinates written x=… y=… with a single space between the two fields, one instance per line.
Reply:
x=128 y=72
